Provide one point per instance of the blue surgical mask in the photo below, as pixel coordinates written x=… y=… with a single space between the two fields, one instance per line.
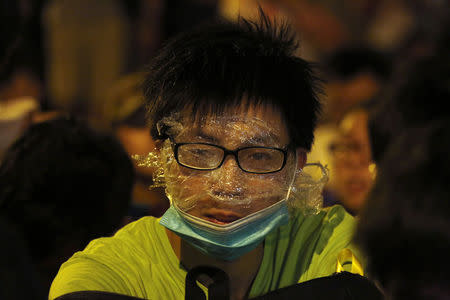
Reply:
x=227 y=242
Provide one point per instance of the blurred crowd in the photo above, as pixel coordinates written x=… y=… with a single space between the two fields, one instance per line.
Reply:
x=70 y=96
x=84 y=58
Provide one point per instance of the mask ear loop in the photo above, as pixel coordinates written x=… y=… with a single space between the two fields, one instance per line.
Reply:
x=307 y=195
x=296 y=172
x=323 y=169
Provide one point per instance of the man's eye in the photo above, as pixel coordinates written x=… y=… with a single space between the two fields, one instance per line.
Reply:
x=260 y=156
x=201 y=152
x=197 y=151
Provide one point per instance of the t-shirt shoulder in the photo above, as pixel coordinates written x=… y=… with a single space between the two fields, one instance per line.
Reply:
x=305 y=249
x=123 y=264
x=336 y=235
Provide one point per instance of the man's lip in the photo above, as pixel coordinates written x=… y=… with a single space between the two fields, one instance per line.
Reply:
x=221 y=216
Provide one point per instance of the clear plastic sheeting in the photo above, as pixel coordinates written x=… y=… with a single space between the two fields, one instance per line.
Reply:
x=306 y=192
x=209 y=168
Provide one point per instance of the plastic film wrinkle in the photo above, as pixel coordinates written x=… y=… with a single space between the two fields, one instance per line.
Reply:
x=228 y=190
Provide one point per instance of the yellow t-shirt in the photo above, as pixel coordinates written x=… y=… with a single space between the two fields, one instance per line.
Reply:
x=139 y=261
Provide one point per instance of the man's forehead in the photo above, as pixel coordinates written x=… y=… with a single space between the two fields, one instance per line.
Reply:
x=249 y=129
x=251 y=115
x=233 y=122
x=249 y=126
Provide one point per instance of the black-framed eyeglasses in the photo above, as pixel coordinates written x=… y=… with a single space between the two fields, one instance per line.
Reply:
x=207 y=157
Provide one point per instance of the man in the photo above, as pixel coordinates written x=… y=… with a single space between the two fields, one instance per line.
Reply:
x=232 y=111
x=355 y=76
x=353 y=170
x=414 y=190
x=410 y=138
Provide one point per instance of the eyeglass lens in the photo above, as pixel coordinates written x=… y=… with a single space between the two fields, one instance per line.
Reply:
x=208 y=157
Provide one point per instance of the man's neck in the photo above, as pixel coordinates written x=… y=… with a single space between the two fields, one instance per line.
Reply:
x=241 y=271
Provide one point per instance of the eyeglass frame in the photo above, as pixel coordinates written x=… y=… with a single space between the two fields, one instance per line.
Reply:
x=227 y=152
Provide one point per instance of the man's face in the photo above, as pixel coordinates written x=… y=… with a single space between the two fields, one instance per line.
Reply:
x=228 y=193
x=352 y=161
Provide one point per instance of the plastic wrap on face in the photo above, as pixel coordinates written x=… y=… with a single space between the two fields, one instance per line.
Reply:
x=237 y=186
x=232 y=190
x=306 y=192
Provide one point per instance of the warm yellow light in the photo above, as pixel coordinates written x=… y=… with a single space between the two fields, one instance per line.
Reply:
x=373 y=170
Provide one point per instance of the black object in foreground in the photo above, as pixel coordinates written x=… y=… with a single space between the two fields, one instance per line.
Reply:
x=340 y=286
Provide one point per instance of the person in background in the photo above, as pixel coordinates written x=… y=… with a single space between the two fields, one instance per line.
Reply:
x=355 y=76
x=61 y=185
x=406 y=222
x=404 y=227
x=352 y=170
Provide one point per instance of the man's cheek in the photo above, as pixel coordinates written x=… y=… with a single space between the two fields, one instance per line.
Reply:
x=188 y=185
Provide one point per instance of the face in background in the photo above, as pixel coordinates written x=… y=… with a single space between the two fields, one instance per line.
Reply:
x=228 y=193
x=352 y=166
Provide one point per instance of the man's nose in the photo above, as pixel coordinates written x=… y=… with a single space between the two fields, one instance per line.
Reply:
x=230 y=163
x=229 y=174
x=228 y=180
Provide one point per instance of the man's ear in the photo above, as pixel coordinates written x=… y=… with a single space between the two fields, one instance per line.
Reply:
x=301 y=157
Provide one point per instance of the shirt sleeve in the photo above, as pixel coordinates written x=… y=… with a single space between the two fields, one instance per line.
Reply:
x=336 y=236
x=100 y=267
x=111 y=264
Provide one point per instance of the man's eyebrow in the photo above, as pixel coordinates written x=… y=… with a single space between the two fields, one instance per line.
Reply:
x=199 y=132
x=266 y=139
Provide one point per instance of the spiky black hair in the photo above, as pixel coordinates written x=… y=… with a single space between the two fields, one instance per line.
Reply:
x=217 y=66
